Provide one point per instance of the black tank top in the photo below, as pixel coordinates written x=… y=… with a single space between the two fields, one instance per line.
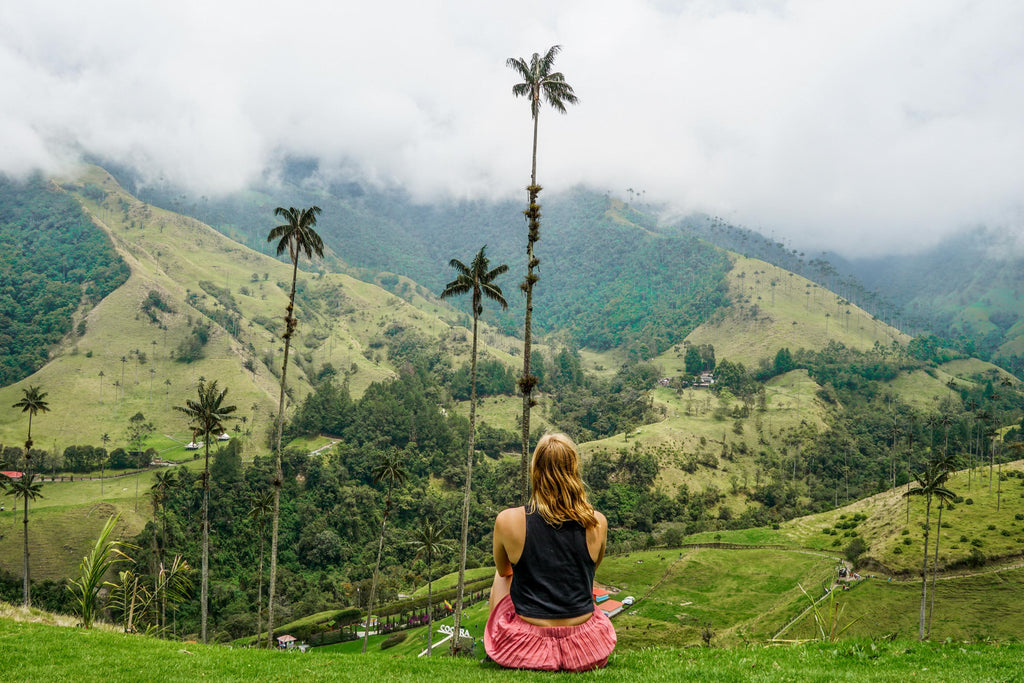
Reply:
x=554 y=578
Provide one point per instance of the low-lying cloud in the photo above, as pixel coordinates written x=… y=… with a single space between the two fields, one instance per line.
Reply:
x=862 y=127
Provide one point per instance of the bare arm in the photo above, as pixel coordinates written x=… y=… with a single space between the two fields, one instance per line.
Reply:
x=505 y=534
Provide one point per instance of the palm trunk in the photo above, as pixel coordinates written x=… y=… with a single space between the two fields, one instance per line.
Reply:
x=259 y=595
x=526 y=382
x=26 y=586
x=289 y=327
x=464 y=542
x=924 y=568
x=205 y=589
x=376 y=571
x=430 y=611
x=935 y=571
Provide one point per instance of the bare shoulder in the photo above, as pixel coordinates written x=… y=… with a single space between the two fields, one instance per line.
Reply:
x=510 y=517
x=602 y=521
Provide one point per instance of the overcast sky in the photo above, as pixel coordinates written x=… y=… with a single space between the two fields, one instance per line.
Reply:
x=861 y=126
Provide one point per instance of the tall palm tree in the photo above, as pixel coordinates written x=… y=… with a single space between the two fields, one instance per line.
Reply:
x=930 y=483
x=296 y=236
x=539 y=82
x=477 y=279
x=428 y=542
x=946 y=498
x=160 y=491
x=391 y=470
x=32 y=403
x=262 y=508
x=26 y=488
x=105 y=439
x=207 y=416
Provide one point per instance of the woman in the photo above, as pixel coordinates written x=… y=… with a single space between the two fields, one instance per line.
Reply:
x=542 y=609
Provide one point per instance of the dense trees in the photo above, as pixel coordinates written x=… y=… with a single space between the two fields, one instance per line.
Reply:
x=55 y=259
x=391 y=471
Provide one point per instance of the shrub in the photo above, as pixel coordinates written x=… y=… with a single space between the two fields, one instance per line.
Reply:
x=897 y=550
x=977 y=542
x=969 y=501
x=905 y=532
x=907 y=541
x=855 y=549
x=991 y=527
x=393 y=639
x=1019 y=516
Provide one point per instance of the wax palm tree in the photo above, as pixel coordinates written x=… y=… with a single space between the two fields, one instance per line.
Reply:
x=930 y=483
x=105 y=440
x=262 y=508
x=32 y=403
x=539 y=82
x=391 y=470
x=159 y=492
x=477 y=279
x=207 y=416
x=25 y=488
x=296 y=236
x=428 y=542
x=945 y=497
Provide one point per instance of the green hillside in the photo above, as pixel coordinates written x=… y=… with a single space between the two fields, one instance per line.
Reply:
x=44 y=652
x=773 y=309
x=186 y=277
x=609 y=276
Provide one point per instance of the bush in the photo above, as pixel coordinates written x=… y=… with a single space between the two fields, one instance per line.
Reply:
x=897 y=550
x=393 y=639
x=969 y=501
x=855 y=549
x=1019 y=516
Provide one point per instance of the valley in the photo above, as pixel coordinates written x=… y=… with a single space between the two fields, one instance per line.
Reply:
x=819 y=418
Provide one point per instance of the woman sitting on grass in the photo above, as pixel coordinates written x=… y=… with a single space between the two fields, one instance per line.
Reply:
x=542 y=607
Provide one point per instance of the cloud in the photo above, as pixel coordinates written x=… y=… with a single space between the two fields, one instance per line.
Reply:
x=862 y=127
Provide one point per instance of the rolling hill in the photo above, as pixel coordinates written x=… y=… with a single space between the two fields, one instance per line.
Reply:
x=187 y=281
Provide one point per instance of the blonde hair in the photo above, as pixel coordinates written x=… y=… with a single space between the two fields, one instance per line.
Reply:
x=557 y=489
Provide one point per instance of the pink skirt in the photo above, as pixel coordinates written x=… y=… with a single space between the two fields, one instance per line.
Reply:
x=517 y=644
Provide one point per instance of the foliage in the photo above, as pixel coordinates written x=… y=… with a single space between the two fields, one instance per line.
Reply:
x=94 y=566
x=827 y=619
x=55 y=259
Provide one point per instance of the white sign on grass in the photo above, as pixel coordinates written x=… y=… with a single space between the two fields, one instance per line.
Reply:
x=448 y=630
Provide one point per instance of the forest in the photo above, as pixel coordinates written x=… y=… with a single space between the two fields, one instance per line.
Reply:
x=55 y=260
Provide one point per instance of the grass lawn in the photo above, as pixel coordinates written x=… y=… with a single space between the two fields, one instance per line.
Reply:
x=739 y=594
x=982 y=607
x=40 y=652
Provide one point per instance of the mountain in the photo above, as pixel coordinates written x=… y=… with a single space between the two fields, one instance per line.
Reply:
x=969 y=289
x=608 y=276
x=199 y=305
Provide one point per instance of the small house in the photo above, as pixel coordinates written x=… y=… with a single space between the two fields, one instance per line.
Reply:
x=285 y=642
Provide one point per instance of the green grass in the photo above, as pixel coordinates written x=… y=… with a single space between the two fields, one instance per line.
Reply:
x=741 y=594
x=793 y=319
x=982 y=607
x=41 y=652
x=887 y=518
x=76 y=528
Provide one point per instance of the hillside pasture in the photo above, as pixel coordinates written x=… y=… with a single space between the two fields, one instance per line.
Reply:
x=795 y=313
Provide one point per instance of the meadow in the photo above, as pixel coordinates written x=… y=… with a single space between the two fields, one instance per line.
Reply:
x=44 y=652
